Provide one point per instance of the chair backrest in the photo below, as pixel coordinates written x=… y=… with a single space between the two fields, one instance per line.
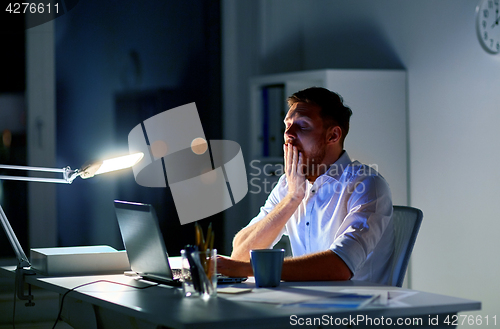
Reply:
x=407 y=222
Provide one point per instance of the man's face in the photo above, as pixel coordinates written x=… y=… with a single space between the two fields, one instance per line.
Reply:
x=304 y=129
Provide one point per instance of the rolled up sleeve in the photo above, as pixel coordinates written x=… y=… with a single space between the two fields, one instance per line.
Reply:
x=369 y=212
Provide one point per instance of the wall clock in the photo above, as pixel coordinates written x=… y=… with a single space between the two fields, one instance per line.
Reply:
x=487 y=25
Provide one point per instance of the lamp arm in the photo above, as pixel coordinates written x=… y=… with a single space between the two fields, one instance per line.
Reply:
x=68 y=174
x=21 y=256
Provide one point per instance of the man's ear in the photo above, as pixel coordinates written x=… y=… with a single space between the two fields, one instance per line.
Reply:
x=334 y=134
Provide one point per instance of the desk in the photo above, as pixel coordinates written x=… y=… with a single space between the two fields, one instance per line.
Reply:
x=103 y=304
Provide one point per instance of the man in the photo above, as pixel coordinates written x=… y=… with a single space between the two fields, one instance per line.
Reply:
x=336 y=212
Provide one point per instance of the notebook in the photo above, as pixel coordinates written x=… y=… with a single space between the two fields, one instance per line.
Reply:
x=144 y=244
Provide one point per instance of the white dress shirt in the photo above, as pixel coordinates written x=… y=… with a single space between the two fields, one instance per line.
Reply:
x=347 y=210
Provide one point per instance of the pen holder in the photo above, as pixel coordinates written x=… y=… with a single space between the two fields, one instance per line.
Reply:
x=199 y=273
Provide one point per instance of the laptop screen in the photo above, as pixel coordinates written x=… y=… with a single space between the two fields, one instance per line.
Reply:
x=142 y=238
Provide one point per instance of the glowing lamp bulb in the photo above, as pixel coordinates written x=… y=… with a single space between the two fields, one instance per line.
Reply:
x=113 y=164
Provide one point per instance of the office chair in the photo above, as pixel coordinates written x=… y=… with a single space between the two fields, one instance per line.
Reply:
x=407 y=222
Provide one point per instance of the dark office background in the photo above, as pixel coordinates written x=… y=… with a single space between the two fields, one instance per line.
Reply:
x=117 y=64
x=13 y=150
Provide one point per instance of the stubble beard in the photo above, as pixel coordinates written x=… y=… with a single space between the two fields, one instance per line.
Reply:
x=312 y=162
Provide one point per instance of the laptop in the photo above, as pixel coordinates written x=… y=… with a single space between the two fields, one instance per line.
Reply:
x=145 y=247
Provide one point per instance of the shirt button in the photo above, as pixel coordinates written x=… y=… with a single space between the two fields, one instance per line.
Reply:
x=313 y=191
x=307 y=223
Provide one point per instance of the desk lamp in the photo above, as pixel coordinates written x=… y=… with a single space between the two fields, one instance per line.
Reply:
x=86 y=171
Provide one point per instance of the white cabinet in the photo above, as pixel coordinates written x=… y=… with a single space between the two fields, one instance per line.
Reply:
x=378 y=129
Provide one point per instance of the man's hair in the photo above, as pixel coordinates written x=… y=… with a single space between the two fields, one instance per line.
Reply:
x=333 y=111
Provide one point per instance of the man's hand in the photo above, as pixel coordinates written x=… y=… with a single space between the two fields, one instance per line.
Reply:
x=233 y=268
x=295 y=176
x=262 y=234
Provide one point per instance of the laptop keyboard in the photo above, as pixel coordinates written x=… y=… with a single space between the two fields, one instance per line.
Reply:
x=176 y=273
x=159 y=279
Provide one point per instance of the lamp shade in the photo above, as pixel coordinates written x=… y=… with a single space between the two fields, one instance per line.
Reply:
x=109 y=165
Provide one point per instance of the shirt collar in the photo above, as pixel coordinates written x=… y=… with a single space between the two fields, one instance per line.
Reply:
x=336 y=169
